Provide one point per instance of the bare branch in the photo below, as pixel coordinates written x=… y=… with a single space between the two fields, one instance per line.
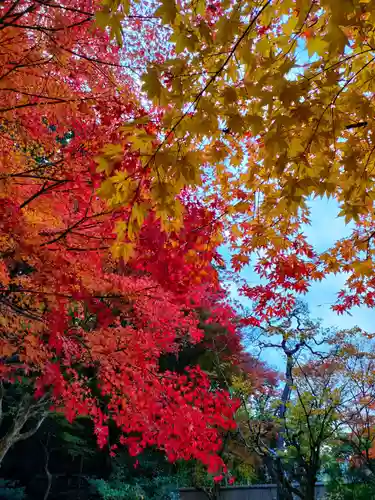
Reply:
x=31 y=432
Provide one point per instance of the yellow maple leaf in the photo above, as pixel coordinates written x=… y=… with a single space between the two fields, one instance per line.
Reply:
x=152 y=83
x=167 y=11
x=107 y=189
x=316 y=45
x=364 y=267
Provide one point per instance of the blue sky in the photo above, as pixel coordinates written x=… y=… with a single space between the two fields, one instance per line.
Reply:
x=325 y=228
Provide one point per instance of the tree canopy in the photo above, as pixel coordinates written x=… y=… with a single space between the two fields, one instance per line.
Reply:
x=137 y=137
x=265 y=105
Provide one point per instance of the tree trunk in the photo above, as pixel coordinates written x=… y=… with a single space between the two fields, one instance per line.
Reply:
x=282 y=492
x=5 y=445
x=310 y=493
x=46 y=469
x=308 y=486
x=29 y=410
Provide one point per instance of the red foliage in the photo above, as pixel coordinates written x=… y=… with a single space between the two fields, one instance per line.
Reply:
x=81 y=326
x=286 y=272
x=138 y=315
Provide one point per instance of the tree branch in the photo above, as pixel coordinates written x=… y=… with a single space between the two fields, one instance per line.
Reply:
x=25 y=435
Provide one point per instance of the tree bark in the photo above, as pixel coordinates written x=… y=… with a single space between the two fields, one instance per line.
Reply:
x=310 y=492
x=48 y=476
x=28 y=411
x=282 y=492
x=308 y=486
x=5 y=445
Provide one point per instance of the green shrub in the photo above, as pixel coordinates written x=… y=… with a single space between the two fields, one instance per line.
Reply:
x=10 y=491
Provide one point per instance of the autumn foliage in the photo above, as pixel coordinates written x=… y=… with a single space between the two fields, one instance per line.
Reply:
x=266 y=106
x=86 y=326
x=136 y=138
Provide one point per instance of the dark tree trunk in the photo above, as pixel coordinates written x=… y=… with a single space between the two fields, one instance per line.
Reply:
x=308 y=487
x=29 y=412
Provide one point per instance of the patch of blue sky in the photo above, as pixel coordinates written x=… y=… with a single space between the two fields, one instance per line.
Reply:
x=326 y=228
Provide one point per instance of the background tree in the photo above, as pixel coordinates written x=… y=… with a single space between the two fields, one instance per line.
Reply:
x=325 y=376
x=296 y=338
x=350 y=467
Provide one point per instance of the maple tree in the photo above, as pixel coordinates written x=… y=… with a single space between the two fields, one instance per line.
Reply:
x=116 y=195
x=86 y=327
x=268 y=105
x=119 y=326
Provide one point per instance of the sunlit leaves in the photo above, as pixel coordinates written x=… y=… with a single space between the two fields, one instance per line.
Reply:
x=167 y=11
x=263 y=96
x=316 y=46
x=152 y=84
